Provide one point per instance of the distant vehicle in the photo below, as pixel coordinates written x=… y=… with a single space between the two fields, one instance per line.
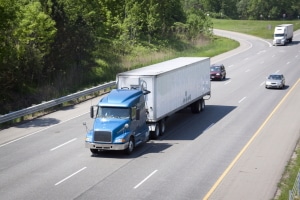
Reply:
x=283 y=34
x=217 y=72
x=275 y=81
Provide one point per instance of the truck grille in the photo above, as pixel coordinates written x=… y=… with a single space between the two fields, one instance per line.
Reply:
x=102 y=136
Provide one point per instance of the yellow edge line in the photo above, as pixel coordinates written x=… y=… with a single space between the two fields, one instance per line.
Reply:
x=247 y=145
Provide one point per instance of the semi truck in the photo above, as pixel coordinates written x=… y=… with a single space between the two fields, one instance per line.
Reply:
x=119 y=122
x=283 y=34
x=144 y=99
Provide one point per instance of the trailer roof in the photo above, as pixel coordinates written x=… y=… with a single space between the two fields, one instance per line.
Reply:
x=284 y=25
x=163 y=67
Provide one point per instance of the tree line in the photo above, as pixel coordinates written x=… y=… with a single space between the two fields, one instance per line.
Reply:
x=253 y=9
x=53 y=47
x=50 y=48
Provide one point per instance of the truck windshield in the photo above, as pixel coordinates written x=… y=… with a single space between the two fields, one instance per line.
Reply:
x=278 y=35
x=113 y=112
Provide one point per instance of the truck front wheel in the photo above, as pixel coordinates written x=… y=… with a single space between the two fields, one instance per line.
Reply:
x=130 y=147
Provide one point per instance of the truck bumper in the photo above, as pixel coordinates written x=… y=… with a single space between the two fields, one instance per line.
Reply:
x=278 y=43
x=106 y=146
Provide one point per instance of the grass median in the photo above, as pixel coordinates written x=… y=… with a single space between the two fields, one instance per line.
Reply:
x=263 y=29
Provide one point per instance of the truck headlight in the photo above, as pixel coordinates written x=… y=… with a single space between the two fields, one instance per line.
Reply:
x=88 y=139
x=120 y=140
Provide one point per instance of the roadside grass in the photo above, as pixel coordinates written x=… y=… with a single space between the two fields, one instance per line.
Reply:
x=200 y=48
x=289 y=176
x=264 y=29
x=261 y=28
x=218 y=46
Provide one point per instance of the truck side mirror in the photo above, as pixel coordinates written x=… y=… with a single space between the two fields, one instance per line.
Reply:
x=93 y=111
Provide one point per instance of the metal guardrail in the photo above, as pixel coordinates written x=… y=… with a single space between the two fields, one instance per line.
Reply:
x=52 y=103
x=294 y=193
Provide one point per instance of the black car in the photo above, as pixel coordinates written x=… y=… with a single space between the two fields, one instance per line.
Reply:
x=217 y=72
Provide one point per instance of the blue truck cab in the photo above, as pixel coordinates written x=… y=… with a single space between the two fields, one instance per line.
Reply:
x=119 y=122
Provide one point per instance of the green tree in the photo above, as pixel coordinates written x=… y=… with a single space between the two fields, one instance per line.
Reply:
x=220 y=8
x=8 y=53
x=275 y=9
x=78 y=24
x=152 y=19
x=198 y=23
x=28 y=32
x=53 y=47
x=242 y=9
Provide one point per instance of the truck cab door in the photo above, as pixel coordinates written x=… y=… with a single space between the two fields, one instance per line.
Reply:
x=138 y=125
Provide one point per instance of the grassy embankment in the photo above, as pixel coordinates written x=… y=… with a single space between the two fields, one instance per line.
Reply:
x=264 y=29
x=142 y=56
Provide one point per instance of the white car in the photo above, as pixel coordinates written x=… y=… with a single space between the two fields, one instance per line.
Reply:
x=275 y=81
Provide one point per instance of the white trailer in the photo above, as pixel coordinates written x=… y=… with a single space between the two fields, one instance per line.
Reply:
x=173 y=85
x=283 y=34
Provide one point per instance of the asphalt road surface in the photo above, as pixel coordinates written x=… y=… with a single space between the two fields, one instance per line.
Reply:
x=236 y=149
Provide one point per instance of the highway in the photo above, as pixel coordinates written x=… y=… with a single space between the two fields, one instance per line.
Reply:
x=237 y=148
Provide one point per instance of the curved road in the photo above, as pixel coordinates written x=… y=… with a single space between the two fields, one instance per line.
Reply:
x=236 y=149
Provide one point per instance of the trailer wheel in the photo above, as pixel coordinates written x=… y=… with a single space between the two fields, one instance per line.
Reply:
x=196 y=106
x=202 y=104
x=130 y=147
x=162 y=126
x=155 y=134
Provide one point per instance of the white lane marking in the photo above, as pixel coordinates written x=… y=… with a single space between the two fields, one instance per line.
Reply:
x=296 y=56
x=270 y=45
x=227 y=82
x=277 y=71
x=145 y=179
x=262 y=83
x=240 y=101
x=246 y=59
x=288 y=63
x=70 y=176
x=236 y=38
x=263 y=51
x=2 y=145
x=248 y=70
x=63 y=144
x=273 y=56
x=230 y=66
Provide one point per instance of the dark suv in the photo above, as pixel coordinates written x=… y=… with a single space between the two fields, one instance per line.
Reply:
x=217 y=71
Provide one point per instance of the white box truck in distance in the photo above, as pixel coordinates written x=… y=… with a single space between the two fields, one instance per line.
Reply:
x=283 y=34
x=172 y=85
